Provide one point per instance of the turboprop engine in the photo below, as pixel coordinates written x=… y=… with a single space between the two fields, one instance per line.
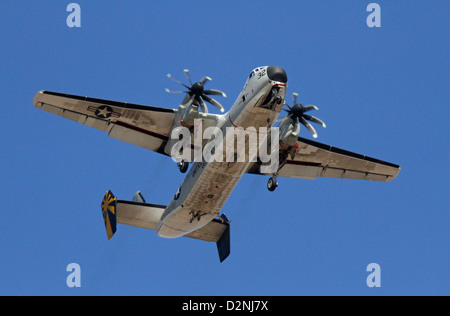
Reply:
x=290 y=127
x=195 y=99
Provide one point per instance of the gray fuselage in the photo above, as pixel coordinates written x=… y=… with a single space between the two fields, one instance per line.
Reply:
x=208 y=185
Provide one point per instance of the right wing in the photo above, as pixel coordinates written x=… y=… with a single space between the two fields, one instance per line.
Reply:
x=144 y=126
x=314 y=159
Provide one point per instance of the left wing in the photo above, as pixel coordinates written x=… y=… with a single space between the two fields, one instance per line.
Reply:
x=144 y=126
x=314 y=159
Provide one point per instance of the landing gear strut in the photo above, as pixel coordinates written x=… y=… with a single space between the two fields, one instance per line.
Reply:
x=272 y=183
x=183 y=166
x=273 y=98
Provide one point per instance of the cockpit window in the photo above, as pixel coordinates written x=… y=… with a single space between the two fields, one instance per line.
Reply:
x=251 y=75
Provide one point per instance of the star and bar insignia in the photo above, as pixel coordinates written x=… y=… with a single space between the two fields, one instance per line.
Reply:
x=103 y=111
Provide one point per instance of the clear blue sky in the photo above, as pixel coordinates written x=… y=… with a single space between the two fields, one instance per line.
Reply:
x=383 y=92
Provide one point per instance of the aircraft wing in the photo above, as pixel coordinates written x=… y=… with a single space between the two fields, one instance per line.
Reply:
x=144 y=126
x=314 y=159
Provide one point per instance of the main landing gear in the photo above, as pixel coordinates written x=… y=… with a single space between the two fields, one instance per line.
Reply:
x=183 y=166
x=272 y=184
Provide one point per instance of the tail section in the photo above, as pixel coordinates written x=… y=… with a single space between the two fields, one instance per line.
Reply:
x=139 y=213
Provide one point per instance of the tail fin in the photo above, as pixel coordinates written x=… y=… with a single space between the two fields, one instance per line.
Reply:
x=223 y=244
x=109 y=207
x=138 y=197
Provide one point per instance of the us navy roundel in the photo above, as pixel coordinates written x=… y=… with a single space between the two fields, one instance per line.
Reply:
x=104 y=111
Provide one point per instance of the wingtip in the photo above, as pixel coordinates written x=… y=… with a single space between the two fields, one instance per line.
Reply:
x=36 y=97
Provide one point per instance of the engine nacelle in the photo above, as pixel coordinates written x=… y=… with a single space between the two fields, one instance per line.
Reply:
x=289 y=132
x=188 y=115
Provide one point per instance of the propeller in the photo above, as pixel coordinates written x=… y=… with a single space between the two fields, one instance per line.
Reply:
x=297 y=113
x=196 y=93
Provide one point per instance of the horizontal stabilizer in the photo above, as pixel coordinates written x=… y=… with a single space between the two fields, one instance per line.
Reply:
x=137 y=213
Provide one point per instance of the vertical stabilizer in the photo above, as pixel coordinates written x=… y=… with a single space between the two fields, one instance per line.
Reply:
x=109 y=206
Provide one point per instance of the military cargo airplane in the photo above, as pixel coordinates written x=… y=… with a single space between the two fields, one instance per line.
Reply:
x=194 y=210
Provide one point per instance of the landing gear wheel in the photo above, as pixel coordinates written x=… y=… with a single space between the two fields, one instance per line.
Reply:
x=183 y=166
x=272 y=184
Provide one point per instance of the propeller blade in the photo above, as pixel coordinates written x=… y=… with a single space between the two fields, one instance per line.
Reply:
x=213 y=102
x=308 y=126
x=294 y=97
x=205 y=79
x=186 y=73
x=188 y=99
x=202 y=104
x=315 y=120
x=214 y=92
x=173 y=78
x=177 y=81
x=196 y=95
x=173 y=91
x=309 y=108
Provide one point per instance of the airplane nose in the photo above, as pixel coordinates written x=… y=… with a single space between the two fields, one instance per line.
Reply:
x=276 y=73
